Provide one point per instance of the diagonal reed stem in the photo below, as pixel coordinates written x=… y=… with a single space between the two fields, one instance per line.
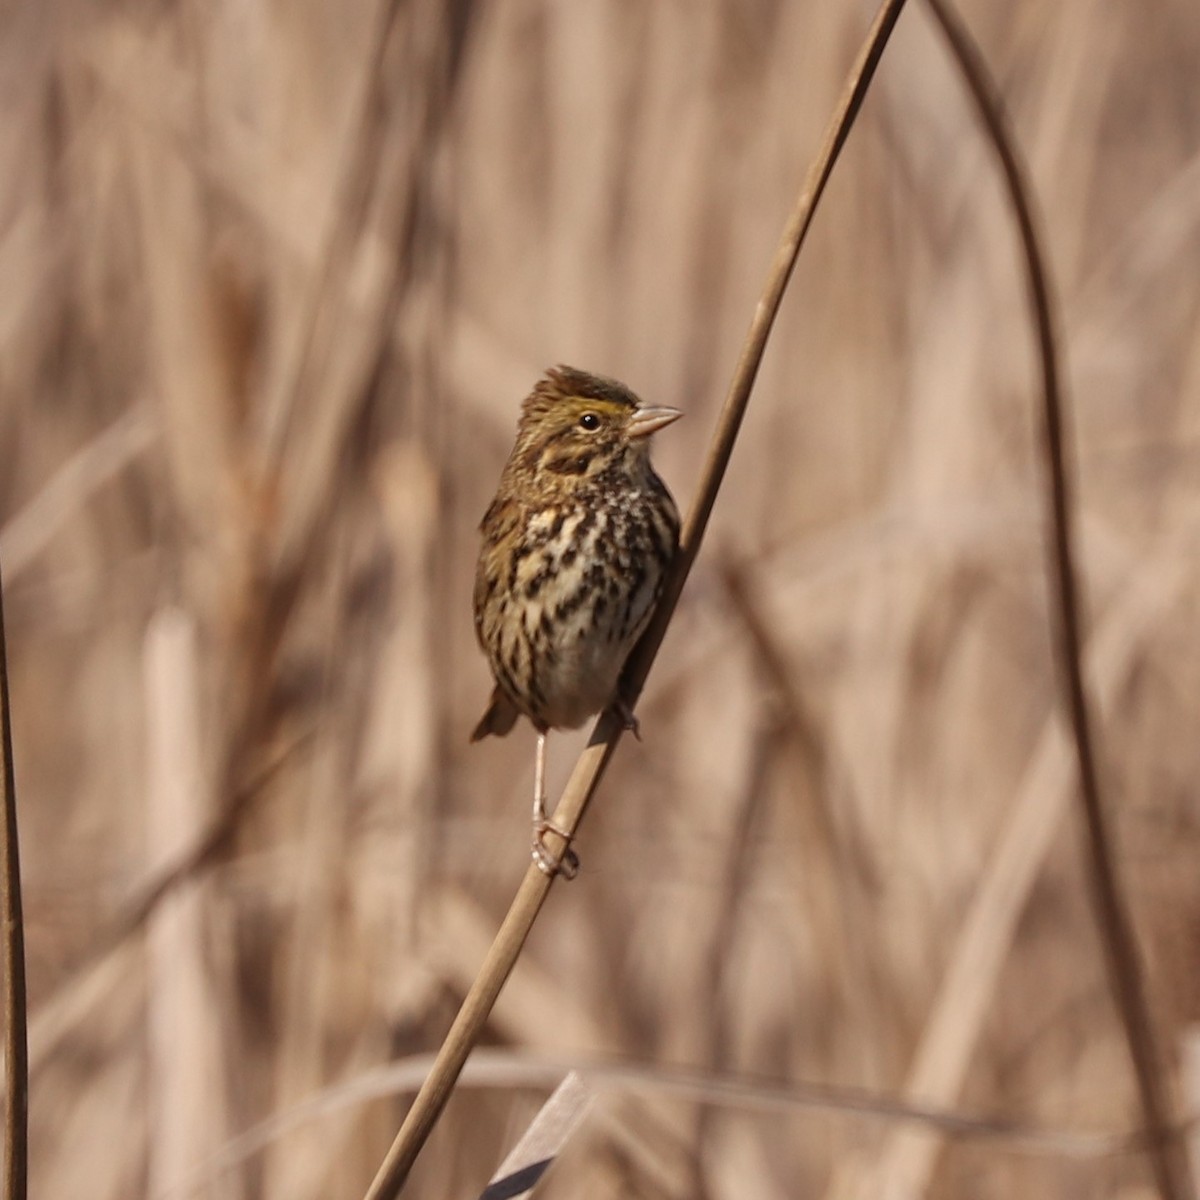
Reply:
x=1168 y=1157
x=590 y=767
x=16 y=1049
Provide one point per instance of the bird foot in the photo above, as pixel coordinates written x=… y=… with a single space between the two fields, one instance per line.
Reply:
x=548 y=861
x=623 y=710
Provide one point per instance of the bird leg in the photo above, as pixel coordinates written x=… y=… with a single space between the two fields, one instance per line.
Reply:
x=539 y=783
x=549 y=863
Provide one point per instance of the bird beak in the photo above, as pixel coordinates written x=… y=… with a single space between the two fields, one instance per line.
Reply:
x=650 y=420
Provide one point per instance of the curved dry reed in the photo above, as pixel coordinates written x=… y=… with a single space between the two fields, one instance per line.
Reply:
x=16 y=1051
x=1168 y=1156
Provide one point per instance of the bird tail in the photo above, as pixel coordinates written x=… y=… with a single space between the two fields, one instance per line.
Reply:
x=499 y=719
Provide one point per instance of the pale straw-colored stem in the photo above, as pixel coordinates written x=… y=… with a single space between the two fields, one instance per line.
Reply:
x=590 y=767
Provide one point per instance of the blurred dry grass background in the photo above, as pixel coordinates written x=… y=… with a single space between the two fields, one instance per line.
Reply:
x=276 y=277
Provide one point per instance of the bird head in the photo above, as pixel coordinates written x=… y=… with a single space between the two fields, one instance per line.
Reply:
x=575 y=425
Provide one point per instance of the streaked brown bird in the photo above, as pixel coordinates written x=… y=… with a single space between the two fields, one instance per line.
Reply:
x=575 y=548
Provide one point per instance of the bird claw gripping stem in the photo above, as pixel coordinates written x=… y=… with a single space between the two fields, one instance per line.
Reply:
x=565 y=864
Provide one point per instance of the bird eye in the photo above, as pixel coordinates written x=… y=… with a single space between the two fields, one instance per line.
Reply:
x=589 y=420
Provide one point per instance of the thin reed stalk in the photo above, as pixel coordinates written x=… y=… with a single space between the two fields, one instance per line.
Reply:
x=502 y=1069
x=1168 y=1156
x=16 y=1048
x=590 y=767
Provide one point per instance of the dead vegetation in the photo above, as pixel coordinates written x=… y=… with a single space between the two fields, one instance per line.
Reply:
x=276 y=278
